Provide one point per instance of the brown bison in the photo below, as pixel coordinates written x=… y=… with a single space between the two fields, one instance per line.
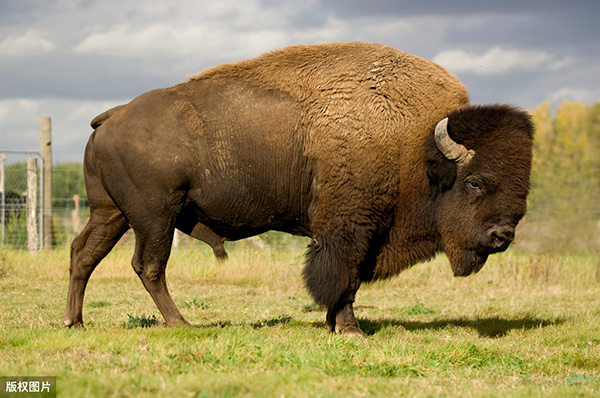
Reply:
x=374 y=153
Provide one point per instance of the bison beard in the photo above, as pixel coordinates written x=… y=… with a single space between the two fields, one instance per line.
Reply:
x=333 y=141
x=466 y=262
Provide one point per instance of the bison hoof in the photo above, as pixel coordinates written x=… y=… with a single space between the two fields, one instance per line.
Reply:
x=352 y=331
x=73 y=325
x=179 y=323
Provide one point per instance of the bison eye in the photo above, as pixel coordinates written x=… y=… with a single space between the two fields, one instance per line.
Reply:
x=472 y=185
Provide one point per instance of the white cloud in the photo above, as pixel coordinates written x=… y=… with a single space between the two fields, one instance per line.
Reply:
x=227 y=29
x=29 y=43
x=500 y=60
x=125 y=40
x=12 y=110
x=563 y=63
x=179 y=42
x=575 y=94
x=20 y=124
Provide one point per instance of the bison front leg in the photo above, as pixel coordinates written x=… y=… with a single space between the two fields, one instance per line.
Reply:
x=331 y=276
x=340 y=318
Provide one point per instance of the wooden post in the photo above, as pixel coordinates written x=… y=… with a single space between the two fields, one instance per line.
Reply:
x=33 y=239
x=2 y=200
x=75 y=219
x=46 y=151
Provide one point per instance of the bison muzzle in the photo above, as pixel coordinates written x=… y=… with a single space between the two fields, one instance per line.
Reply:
x=374 y=153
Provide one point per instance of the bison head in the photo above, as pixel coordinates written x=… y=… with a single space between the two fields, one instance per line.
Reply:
x=479 y=162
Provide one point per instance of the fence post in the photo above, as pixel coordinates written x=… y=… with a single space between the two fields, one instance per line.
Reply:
x=2 y=199
x=75 y=219
x=33 y=239
x=46 y=151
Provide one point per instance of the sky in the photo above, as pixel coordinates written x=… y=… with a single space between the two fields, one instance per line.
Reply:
x=73 y=59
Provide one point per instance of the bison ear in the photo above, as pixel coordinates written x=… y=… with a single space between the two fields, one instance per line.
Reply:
x=441 y=173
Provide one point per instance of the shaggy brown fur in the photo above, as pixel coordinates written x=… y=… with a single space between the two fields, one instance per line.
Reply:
x=331 y=141
x=365 y=106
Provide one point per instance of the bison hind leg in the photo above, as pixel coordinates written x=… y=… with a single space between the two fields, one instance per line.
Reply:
x=202 y=232
x=104 y=229
x=207 y=235
x=152 y=250
x=220 y=252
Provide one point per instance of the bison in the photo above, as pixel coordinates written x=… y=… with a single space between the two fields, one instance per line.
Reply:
x=375 y=154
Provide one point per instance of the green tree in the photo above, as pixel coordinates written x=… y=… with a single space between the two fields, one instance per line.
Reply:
x=15 y=177
x=565 y=188
x=68 y=180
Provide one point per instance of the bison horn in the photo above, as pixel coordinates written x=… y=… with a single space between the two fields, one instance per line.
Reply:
x=452 y=150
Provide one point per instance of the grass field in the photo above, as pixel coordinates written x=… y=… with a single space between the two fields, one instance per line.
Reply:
x=525 y=326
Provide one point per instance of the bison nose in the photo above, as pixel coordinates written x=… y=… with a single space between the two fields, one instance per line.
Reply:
x=500 y=237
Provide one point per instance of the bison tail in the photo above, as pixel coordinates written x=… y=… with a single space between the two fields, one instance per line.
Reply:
x=101 y=118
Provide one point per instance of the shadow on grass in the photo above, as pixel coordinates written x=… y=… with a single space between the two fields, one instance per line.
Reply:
x=264 y=323
x=486 y=327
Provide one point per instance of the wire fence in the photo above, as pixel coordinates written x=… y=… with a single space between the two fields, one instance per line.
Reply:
x=71 y=209
x=13 y=197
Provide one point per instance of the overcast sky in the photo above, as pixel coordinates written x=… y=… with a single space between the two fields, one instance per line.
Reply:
x=73 y=59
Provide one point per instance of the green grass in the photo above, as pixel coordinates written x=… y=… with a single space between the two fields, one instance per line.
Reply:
x=140 y=321
x=525 y=326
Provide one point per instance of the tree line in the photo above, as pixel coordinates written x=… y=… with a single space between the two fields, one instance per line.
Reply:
x=564 y=203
